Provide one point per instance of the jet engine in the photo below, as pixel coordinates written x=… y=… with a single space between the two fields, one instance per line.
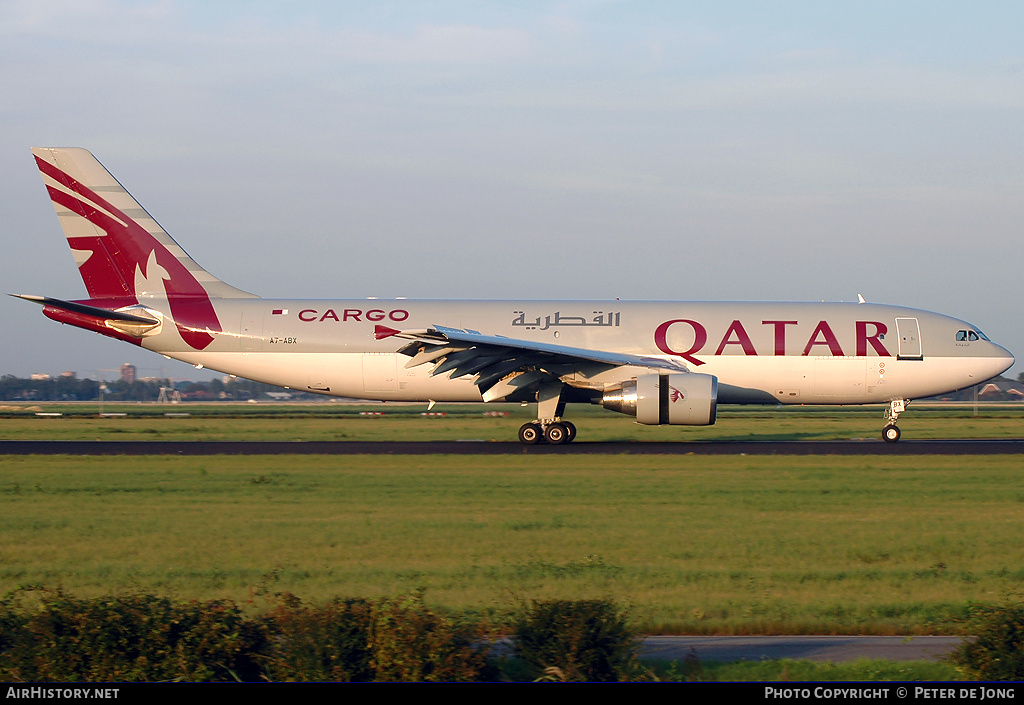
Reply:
x=679 y=399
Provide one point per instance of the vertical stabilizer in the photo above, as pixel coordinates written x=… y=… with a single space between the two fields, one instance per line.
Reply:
x=123 y=255
x=112 y=237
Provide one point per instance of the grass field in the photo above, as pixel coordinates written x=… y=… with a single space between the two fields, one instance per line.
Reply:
x=694 y=544
x=326 y=421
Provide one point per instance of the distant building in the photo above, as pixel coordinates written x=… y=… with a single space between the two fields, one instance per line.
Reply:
x=127 y=373
x=1001 y=388
x=68 y=375
x=39 y=376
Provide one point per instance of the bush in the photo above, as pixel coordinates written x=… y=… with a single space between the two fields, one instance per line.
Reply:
x=997 y=654
x=411 y=642
x=127 y=638
x=577 y=640
x=140 y=638
x=388 y=639
x=328 y=643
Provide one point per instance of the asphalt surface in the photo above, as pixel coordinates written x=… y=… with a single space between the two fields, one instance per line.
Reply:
x=828 y=648
x=1011 y=446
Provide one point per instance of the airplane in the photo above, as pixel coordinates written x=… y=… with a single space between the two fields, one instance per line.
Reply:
x=663 y=362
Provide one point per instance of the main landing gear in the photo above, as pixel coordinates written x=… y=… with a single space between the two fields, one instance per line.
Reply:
x=549 y=426
x=555 y=433
x=891 y=432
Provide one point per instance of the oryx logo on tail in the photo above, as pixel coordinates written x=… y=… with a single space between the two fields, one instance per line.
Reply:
x=122 y=253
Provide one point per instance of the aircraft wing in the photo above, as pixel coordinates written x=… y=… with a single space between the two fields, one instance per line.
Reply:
x=495 y=360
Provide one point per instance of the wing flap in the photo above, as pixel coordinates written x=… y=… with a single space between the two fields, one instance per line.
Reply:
x=614 y=359
x=503 y=367
x=429 y=353
x=513 y=384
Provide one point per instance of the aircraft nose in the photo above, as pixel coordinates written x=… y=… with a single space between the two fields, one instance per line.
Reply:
x=995 y=364
x=1005 y=355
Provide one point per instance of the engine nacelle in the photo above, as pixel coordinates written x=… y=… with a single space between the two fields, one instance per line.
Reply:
x=679 y=399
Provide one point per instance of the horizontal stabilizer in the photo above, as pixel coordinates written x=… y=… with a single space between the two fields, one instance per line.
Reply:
x=103 y=313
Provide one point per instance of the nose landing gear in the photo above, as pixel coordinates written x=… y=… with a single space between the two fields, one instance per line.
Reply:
x=891 y=432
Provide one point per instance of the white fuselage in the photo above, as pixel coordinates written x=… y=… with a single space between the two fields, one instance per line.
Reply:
x=794 y=353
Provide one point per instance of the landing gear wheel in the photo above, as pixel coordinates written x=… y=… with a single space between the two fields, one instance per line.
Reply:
x=556 y=434
x=571 y=428
x=530 y=434
x=891 y=433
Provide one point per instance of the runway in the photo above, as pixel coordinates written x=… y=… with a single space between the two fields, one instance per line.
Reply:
x=828 y=648
x=1003 y=446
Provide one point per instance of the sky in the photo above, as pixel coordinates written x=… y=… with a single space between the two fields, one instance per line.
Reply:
x=800 y=151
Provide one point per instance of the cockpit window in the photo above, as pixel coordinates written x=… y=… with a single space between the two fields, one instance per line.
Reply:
x=969 y=336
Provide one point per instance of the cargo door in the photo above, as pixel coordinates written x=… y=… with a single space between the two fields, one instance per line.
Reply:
x=909 y=333
x=841 y=379
x=380 y=372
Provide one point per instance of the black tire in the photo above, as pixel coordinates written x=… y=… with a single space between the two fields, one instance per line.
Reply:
x=556 y=434
x=571 y=427
x=530 y=434
x=891 y=433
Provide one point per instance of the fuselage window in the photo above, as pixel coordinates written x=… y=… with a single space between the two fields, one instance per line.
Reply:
x=961 y=335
